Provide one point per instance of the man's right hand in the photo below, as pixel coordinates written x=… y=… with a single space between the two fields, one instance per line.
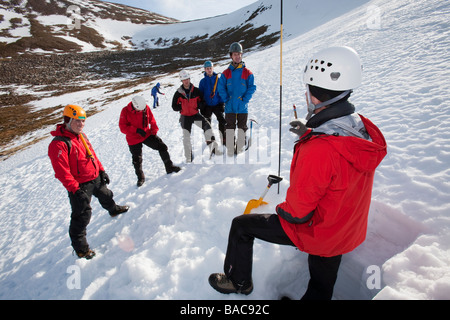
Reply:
x=141 y=132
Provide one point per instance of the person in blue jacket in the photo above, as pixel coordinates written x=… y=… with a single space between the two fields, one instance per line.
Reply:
x=213 y=101
x=236 y=87
x=155 y=91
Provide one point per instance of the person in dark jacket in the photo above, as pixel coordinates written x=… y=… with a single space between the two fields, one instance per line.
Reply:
x=139 y=126
x=188 y=100
x=213 y=102
x=327 y=203
x=80 y=171
x=236 y=87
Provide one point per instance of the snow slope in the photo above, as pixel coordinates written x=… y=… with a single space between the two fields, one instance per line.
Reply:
x=176 y=231
x=299 y=17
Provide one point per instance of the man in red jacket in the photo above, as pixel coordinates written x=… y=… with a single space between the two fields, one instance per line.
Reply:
x=188 y=100
x=327 y=203
x=77 y=167
x=139 y=125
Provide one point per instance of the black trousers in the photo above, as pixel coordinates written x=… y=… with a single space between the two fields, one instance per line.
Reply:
x=233 y=120
x=186 y=123
x=82 y=211
x=239 y=256
x=217 y=110
x=154 y=142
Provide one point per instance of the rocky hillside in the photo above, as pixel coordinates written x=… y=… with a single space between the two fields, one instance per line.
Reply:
x=44 y=54
x=60 y=26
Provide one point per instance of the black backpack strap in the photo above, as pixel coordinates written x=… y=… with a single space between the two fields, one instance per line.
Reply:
x=310 y=135
x=66 y=140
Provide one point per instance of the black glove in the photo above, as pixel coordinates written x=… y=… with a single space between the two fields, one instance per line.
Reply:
x=104 y=179
x=298 y=127
x=141 y=132
x=202 y=107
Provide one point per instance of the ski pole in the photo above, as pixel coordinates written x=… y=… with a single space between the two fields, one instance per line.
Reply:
x=295 y=111
x=250 y=139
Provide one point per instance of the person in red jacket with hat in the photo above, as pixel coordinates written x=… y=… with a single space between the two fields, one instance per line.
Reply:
x=139 y=125
x=188 y=100
x=80 y=171
x=327 y=203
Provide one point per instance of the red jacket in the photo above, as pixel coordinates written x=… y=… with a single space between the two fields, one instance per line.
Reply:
x=188 y=105
x=328 y=200
x=131 y=120
x=74 y=167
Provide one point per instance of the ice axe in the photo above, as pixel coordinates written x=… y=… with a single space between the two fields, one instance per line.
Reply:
x=256 y=203
x=295 y=111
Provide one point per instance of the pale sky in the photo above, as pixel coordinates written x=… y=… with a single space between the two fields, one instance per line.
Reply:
x=187 y=9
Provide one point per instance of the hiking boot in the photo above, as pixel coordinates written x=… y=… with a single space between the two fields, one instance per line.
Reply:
x=140 y=176
x=118 y=210
x=88 y=255
x=221 y=283
x=140 y=182
x=170 y=167
x=214 y=148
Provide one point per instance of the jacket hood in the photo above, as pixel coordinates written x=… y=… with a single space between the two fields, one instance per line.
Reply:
x=62 y=131
x=336 y=110
x=182 y=90
x=240 y=66
x=130 y=107
x=212 y=76
x=363 y=154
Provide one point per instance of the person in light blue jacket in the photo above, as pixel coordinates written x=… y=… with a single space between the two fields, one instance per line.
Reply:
x=236 y=87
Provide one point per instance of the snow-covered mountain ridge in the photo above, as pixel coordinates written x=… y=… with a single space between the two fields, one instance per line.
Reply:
x=170 y=47
x=61 y=26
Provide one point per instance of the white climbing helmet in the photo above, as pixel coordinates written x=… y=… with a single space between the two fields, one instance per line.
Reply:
x=139 y=103
x=184 y=75
x=334 y=68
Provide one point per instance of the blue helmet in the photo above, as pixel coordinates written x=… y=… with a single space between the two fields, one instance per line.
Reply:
x=208 y=64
